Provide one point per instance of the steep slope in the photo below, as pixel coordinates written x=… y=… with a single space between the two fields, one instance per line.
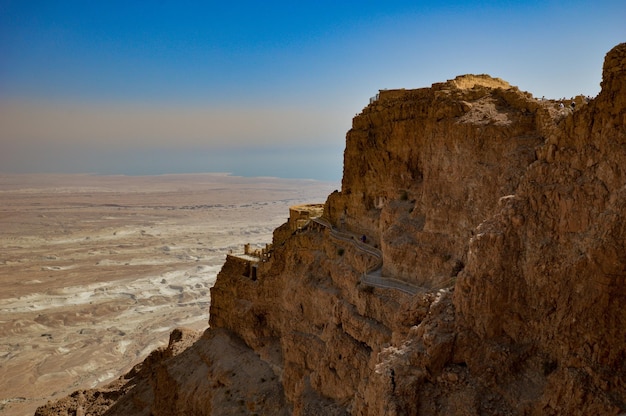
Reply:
x=501 y=215
x=546 y=275
x=424 y=167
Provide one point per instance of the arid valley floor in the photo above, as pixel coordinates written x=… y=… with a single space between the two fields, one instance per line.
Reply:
x=97 y=270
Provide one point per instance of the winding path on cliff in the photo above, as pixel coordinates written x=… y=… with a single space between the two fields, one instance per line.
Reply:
x=373 y=276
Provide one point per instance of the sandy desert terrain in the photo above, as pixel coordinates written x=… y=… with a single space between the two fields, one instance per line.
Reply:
x=97 y=270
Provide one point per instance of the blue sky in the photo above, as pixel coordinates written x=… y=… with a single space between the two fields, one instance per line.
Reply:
x=260 y=88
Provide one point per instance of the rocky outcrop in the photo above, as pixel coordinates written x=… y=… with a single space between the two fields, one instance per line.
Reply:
x=423 y=168
x=503 y=213
x=546 y=274
x=196 y=374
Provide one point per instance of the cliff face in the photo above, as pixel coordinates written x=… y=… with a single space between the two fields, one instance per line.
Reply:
x=499 y=222
x=545 y=281
x=423 y=168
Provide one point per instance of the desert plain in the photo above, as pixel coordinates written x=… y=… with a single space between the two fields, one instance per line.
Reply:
x=95 y=271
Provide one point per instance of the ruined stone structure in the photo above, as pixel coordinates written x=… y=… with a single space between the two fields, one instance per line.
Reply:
x=249 y=260
x=511 y=211
x=301 y=215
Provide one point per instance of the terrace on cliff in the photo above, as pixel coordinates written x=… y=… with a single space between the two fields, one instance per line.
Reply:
x=299 y=217
x=310 y=216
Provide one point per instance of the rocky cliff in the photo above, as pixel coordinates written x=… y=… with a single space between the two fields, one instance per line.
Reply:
x=491 y=278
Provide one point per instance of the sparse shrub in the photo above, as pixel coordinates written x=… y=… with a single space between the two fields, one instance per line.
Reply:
x=365 y=288
x=549 y=366
x=458 y=266
x=404 y=196
x=340 y=251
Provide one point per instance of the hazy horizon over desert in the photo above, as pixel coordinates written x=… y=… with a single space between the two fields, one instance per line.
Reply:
x=98 y=269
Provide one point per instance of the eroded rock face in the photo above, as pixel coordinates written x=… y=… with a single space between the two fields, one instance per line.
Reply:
x=196 y=374
x=546 y=275
x=513 y=206
x=520 y=200
x=423 y=168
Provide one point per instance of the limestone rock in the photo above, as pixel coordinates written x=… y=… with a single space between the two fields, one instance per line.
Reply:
x=549 y=289
x=499 y=223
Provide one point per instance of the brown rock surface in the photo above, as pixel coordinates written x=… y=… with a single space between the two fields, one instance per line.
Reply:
x=193 y=375
x=419 y=165
x=545 y=281
x=514 y=208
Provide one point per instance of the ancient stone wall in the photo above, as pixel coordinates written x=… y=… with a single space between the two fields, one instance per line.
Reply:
x=300 y=215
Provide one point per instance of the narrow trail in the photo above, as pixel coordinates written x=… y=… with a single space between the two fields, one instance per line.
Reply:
x=373 y=276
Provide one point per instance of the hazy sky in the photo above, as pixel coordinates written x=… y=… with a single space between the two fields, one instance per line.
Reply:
x=261 y=88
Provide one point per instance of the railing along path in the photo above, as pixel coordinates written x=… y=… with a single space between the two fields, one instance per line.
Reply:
x=373 y=276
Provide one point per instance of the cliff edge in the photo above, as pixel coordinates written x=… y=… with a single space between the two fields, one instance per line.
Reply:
x=474 y=262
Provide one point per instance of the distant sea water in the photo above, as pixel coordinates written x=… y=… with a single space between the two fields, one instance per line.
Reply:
x=319 y=163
